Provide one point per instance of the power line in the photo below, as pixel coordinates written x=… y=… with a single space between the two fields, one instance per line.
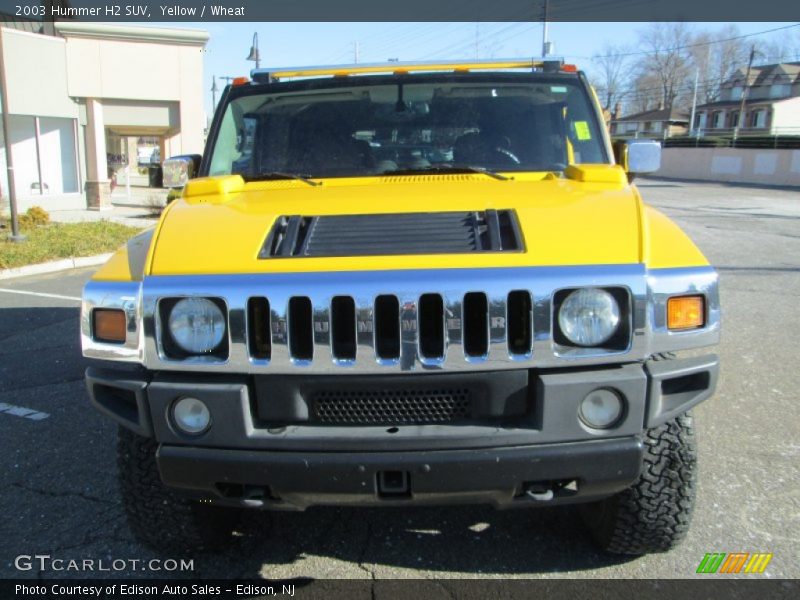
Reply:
x=463 y=45
x=408 y=34
x=695 y=45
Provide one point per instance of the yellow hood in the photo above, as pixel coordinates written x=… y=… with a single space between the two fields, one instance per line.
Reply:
x=221 y=223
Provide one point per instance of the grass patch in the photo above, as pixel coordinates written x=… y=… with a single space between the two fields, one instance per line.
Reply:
x=62 y=240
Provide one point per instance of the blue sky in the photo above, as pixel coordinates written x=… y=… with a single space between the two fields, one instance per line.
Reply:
x=295 y=44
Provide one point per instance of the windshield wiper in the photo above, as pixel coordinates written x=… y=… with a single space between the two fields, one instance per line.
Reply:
x=280 y=175
x=448 y=168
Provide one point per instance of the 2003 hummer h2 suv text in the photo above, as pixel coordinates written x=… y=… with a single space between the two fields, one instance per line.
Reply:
x=406 y=284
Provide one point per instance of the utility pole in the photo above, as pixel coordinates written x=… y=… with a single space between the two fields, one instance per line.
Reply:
x=694 y=101
x=15 y=236
x=213 y=92
x=740 y=119
x=355 y=52
x=545 y=44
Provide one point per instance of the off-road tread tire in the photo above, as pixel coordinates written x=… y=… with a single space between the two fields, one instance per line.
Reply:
x=654 y=514
x=157 y=516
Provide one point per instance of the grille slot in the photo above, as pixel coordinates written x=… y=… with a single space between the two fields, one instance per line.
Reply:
x=301 y=336
x=343 y=327
x=258 y=328
x=476 y=324
x=387 y=327
x=392 y=406
x=431 y=326
x=519 y=320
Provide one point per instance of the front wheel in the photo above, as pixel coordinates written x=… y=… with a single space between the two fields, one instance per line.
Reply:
x=157 y=516
x=654 y=514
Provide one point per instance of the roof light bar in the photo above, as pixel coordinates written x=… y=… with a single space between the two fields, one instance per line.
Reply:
x=550 y=64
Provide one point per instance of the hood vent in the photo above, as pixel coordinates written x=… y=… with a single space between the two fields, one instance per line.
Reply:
x=393 y=234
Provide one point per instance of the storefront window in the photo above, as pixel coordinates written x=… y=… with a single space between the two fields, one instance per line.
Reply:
x=22 y=133
x=45 y=164
x=57 y=153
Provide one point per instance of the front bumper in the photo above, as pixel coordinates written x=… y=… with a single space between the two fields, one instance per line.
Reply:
x=497 y=476
x=529 y=439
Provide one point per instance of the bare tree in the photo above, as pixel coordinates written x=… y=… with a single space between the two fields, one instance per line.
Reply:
x=667 y=58
x=716 y=56
x=646 y=93
x=611 y=74
x=783 y=47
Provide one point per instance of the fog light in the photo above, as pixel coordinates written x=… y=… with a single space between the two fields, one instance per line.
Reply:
x=191 y=415
x=601 y=408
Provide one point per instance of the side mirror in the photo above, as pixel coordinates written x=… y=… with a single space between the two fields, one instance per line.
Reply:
x=638 y=156
x=180 y=169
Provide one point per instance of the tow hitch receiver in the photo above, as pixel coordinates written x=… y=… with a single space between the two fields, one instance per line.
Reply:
x=394 y=484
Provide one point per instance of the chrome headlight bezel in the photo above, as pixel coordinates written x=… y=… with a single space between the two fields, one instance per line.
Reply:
x=173 y=348
x=616 y=339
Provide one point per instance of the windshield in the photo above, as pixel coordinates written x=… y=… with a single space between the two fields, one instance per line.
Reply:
x=433 y=126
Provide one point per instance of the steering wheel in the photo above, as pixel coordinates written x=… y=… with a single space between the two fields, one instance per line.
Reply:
x=506 y=156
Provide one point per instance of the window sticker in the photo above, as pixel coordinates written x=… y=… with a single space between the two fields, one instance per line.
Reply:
x=582 y=131
x=558 y=89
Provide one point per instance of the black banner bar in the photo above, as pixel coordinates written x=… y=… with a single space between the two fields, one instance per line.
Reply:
x=711 y=587
x=121 y=11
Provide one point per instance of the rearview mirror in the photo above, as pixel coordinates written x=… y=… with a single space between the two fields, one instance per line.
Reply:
x=180 y=169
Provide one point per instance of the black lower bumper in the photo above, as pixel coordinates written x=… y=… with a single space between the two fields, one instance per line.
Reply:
x=570 y=472
x=524 y=436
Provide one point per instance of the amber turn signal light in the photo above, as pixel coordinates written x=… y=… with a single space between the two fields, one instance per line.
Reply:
x=109 y=325
x=686 y=312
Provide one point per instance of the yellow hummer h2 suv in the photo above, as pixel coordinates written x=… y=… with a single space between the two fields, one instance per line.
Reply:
x=403 y=284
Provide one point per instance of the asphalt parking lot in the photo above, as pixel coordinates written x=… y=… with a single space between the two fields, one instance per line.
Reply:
x=58 y=491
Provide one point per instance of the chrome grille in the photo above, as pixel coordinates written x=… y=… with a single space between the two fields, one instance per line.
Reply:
x=401 y=321
x=389 y=329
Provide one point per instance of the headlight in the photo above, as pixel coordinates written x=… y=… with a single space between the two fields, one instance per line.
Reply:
x=197 y=325
x=589 y=317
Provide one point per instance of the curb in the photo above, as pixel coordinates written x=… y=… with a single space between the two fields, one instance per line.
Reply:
x=56 y=265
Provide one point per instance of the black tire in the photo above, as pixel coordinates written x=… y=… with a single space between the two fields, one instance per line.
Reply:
x=654 y=514
x=157 y=516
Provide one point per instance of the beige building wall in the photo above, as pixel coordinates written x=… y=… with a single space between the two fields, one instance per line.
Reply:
x=734 y=165
x=36 y=75
x=153 y=65
x=68 y=92
x=46 y=170
x=148 y=81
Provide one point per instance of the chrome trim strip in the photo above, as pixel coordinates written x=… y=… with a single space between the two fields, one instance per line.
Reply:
x=648 y=289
